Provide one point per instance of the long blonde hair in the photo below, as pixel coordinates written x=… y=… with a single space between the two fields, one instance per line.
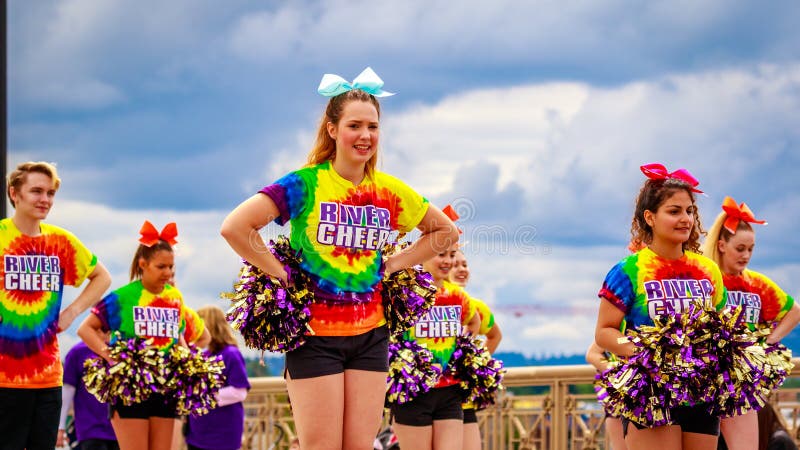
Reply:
x=221 y=333
x=718 y=232
x=324 y=148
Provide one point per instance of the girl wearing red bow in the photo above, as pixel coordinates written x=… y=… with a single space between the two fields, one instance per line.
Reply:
x=148 y=308
x=730 y=243
x=435 y=419
x=665 y=234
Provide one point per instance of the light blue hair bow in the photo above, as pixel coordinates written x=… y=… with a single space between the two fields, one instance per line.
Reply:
x=368 y=81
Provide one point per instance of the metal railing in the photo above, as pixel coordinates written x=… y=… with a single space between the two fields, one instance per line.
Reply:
x=543 y=408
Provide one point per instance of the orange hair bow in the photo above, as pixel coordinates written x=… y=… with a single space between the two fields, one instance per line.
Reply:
x=452 y=215
x=737 y=213
x=656 y=171
x=150 y=235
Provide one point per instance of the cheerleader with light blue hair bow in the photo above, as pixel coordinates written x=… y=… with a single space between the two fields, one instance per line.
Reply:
x=342 y=211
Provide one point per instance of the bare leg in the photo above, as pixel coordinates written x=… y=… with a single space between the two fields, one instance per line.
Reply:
x=472 y=437
x=614 y=433
x=161 y=433
x=741 y=432
x=177 y=435
x=420 y=438
x=318 y=408
x=131 y=433
x=698 y=441
x=663 y=438
x=364 y=394
x=448 y=434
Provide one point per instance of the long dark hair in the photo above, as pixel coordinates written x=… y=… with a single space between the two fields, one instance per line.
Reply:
x=652 y=195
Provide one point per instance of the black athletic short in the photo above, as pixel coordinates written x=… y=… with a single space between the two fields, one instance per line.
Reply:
x=329 y=355
x=155 y=406
x=470 y=415
x=436 y=404
x=691 y=419
x=98 y=444
x=29 y=418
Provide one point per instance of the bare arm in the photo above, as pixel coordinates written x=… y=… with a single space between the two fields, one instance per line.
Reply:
x=609 y=318
x=493 y=338
x=99 y=281
x=595 y=357
x=241 y=227
x=474 y=323
x=91 y=332
x=786 y=325
x=439 y=233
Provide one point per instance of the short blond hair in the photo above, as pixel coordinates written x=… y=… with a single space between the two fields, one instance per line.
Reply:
x=18 y=177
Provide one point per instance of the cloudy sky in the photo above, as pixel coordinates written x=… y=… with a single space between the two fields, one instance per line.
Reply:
x=531 y=118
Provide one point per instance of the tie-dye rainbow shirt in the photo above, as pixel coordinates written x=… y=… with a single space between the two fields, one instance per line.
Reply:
x=136 y=312
x=34 y=271
x=645 y=285
x=438 y=329
x=763 y=301
x=340 y=228
x=194 y=326
x=487 y=318
x=487 y=323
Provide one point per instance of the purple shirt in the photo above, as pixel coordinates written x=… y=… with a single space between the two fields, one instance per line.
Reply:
x=91 y=416
x=222 y=428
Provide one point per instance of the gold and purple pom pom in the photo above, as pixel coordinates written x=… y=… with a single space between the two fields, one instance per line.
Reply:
x=702 y=357
x=137 y=371
x=269 y=315
x=408 y=294
x=479 y=374
x=411 y=371
x=675 y=364
x=749 y=368
x=195 y=380
x=636 y=392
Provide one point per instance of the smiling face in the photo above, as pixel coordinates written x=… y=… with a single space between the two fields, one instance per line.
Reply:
x=157 y=270
x=459 y=274
x=356 y=134
x=35 y=195
x=440 y=265
x=735 y=253
x=673 y=221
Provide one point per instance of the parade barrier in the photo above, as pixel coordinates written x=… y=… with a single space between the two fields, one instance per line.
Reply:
x=543 y=408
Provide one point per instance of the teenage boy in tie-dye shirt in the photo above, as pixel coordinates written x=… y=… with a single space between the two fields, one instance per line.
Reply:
x=38 y=260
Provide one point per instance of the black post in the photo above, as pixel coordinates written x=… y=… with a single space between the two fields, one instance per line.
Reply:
x=3 y=109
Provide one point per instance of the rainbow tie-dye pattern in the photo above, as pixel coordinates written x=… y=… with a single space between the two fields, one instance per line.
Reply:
x=644 y=285
x=487 y=318
x=194 y=326
x=340 y=229
x=34 y=271
x=136 y=312
x=763 y=301
x=438 y=329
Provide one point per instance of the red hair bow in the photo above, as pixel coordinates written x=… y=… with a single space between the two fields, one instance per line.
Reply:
x=737 y=213
x=150 y=236
x=657 y=171
x=452 y=214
